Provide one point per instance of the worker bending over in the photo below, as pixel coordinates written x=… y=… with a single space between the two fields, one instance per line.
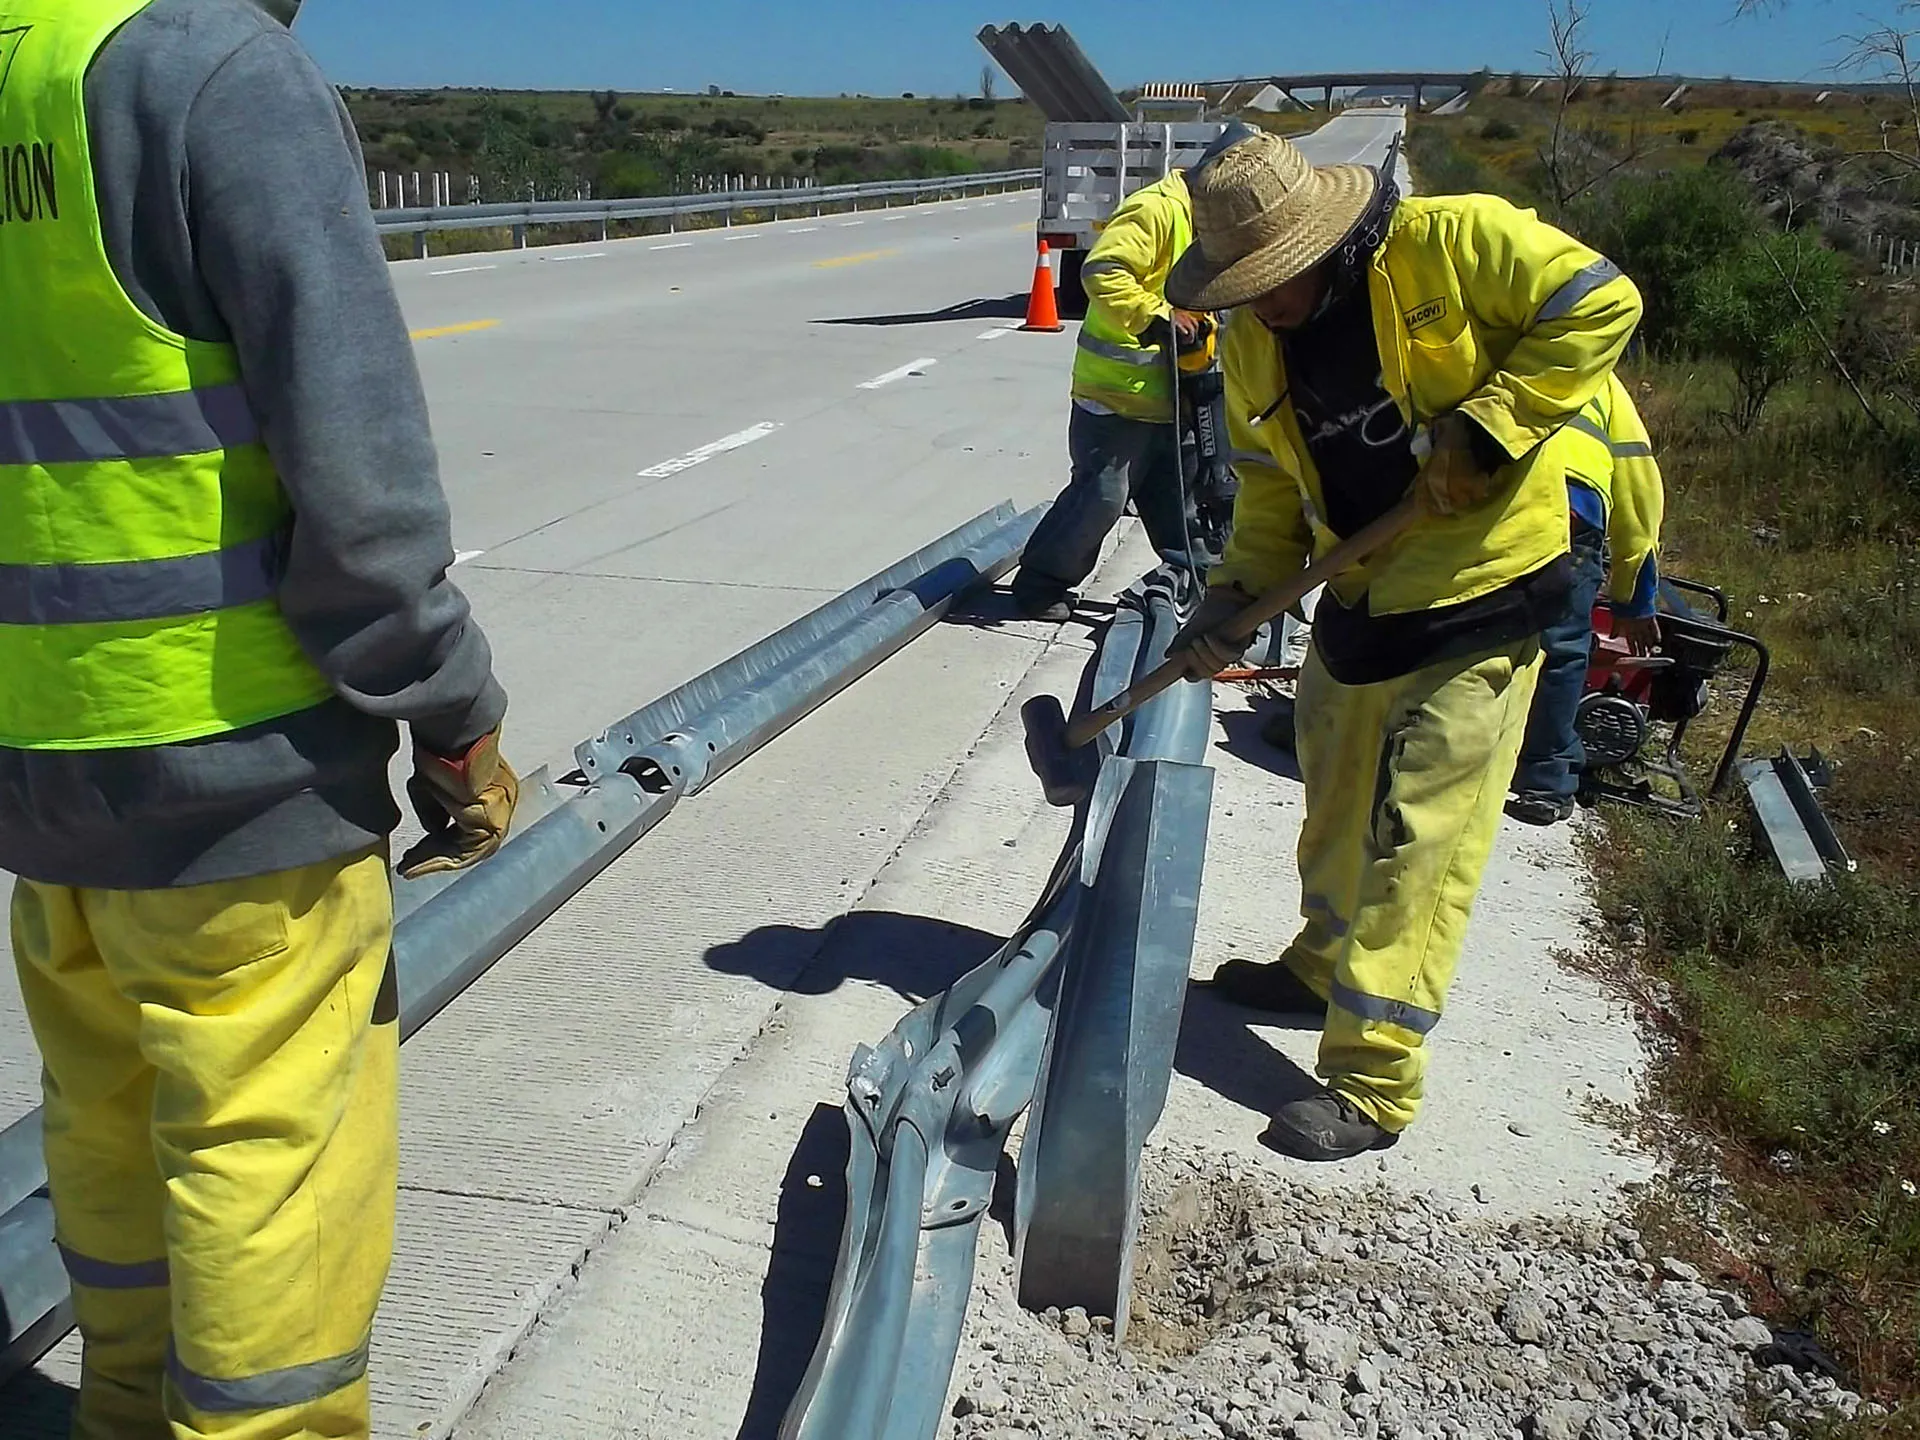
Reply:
x=1370 y=331
x=1123 y=438
x=223 y=580
x=1616 y=500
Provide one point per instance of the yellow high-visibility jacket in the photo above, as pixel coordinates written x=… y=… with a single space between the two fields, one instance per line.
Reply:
x=1125 y=277
x=1477 y=306
x=1605 y=449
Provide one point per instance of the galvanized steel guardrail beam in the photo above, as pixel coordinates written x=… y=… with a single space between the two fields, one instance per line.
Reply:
x=1123 y=989
x=1083 y=1006
x=519 y=216
x=450 y=931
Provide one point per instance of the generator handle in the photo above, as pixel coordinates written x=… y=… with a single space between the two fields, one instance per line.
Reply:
x=1712 y=592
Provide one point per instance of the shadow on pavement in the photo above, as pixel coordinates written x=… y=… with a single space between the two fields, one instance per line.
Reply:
x=988 y=608
x=36 y=1408
x=806 y=1247
x=912 y=955
x=1012 y=307
x=1243 y=740
x=1220 y=1048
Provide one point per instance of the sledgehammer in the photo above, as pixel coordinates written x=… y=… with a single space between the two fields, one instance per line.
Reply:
x=1062 y=754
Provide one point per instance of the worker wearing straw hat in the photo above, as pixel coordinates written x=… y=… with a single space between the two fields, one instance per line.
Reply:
x=1383 y=345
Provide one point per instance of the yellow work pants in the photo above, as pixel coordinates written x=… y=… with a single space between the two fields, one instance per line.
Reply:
x=1405 y=781
x=220 y=1076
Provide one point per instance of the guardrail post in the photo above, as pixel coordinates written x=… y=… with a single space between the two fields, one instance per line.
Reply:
x=420 y=244
x=603 y=227
x=519 y=237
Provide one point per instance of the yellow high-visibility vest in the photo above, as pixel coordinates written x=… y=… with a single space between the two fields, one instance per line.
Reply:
x=143 y=530
x=1125 y=277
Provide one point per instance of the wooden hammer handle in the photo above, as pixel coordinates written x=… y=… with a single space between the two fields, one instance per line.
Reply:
x=1241 y=628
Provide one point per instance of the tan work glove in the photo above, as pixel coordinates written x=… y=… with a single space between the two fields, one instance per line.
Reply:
x=1451 y=479
x=465 y=801
x=1207 y=653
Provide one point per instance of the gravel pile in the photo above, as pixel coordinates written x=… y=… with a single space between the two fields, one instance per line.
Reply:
x=1268 y=1309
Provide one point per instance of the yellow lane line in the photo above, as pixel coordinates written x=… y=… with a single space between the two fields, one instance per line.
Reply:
x=859 y=259
x=465 y=329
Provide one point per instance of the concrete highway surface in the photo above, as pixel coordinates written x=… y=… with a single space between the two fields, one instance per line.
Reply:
x=657 y=452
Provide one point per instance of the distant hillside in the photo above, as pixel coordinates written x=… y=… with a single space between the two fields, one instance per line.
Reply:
x=498 y=143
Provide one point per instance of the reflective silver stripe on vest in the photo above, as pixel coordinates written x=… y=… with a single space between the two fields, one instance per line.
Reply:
x=1101 y=267
x=141 y=589
x=1386 y=1012
x=1586 y=425
x=132 y=427
x=274 y=1390
x=1633 y=450
x=1252 y=457
x=1560 y=304
x=109 y=1275
x=1106 y=350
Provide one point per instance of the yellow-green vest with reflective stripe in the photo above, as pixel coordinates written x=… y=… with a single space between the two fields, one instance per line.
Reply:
x=1585 y=448
x=142 y=526
x=1111 y=367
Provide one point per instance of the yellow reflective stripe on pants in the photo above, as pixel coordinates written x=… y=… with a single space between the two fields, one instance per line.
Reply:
x=221 y=1078
x=1405 y=781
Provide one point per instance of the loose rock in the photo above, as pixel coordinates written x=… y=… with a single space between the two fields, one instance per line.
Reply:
x=1265 y=1308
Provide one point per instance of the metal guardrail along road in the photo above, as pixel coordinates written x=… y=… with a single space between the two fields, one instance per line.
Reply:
x=520 y=216
x=1076 y=1017
x=453 y=929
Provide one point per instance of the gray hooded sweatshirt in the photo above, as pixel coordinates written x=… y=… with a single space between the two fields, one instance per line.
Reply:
x=233 y=201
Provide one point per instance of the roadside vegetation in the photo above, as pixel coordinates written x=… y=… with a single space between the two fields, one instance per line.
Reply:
x=1777 y=372
x=566 y=143
x=501 y=145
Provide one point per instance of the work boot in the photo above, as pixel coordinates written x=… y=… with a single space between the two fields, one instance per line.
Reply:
x=1272 y=987
x=1054 y=612
x=1534 y=807
x=1326 y=1126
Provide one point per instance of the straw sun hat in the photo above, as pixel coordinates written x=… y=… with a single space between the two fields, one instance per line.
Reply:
x=1263 y=214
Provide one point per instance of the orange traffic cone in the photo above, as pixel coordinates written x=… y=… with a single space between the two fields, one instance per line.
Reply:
x=1043 y=311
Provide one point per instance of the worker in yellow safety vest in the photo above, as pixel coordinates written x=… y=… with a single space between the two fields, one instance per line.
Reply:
x=1122 y=436
x=1616 y=500
x=223 y=585
x=1370 y=331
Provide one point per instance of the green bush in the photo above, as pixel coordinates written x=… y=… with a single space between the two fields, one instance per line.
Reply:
x=632 y=173
x=925 y=162
x=731 y=127
x=1762 y=308
x=1498 y=129
x=1441 y=167
x=1665 y=231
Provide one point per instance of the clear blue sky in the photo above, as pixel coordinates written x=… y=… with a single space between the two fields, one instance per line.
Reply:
x=826 y=47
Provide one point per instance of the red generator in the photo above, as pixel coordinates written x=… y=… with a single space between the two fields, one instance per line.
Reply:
x=1631 y=698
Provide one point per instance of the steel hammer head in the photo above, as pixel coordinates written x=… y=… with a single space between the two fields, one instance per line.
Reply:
x=1067 y=775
